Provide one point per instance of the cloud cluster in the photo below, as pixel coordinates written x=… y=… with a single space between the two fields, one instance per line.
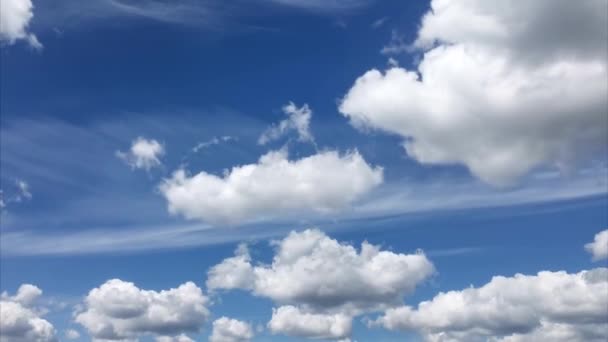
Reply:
x=230 y=330
x=143 y=154
x=15 y=17
x=599 y=247
x=20 y=321
x=502 y=88
x=298 y=119
x=118 y=310
x=555 y=306
x=273 y=186
x=322 y=281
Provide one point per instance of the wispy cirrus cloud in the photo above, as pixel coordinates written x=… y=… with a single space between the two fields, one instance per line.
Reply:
x=324 y=5
x=214 y=15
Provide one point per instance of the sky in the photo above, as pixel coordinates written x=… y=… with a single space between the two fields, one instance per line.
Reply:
x=292 y=170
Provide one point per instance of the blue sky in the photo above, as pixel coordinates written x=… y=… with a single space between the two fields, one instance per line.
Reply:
x=480 y=142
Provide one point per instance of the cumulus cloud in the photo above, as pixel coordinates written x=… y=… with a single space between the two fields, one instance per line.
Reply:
x=290 y=320
x=599 y=247
x=230 y=330
x=502 y=88
x=272 y=187
x=15 y=17
x=26 y=295
x=20 y=321
x=118 y=310
x=309 y=268
x=298 y=119
x=143 y=154
x=321 y=284
x=549 y=306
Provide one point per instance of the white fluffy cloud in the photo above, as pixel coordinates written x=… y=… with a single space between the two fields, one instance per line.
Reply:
x=290 y=320
x=274 y=186
x=298 y=119
x=599 y=247
x=15 y=17
x=322 y=283
x=314 y=270
x=19 y=321
x=550 y=306
x=143 y=154
x=230 y=330
x=118 y=310
x=502 y=87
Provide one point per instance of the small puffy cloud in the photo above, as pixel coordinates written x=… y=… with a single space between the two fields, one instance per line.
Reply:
x=529 y=90
x=230 y=330
x=15 y=17
x=118 y=310
x=24 y=190
x=311 y=270
x=298 y=119
x=291 y=321
x=143 y=154
x=599 y=247
x=19 y=321
x=275 y=186
x=72 y=334
x=549 y=306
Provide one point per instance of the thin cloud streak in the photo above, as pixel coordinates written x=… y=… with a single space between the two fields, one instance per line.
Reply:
x=140 y=238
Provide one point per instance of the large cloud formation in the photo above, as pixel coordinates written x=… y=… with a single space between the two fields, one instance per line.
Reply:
x=20 y=321
x=549 y=306
x=323 y=281
x=274 y=186
x=15 y=17
x=502 y=88
x=118 y=310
